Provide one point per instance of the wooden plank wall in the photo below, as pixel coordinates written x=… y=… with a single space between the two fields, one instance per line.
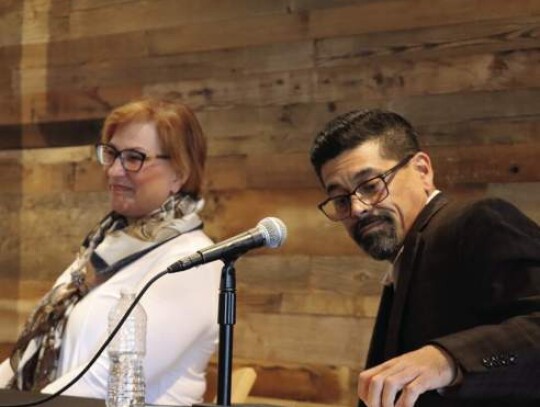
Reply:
x=263 y=76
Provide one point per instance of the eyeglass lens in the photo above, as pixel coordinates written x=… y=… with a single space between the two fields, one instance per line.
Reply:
x=369 y=193
x=131 y=160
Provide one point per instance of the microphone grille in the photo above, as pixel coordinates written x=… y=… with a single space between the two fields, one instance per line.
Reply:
x=274 y=230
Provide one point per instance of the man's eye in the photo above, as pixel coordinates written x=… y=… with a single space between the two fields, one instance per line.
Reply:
x=370 y=187
x=341 y=202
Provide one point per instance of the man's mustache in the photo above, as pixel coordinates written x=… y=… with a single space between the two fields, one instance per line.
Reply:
x=369 y=219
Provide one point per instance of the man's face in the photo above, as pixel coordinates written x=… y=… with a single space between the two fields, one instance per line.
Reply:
x=379 y=229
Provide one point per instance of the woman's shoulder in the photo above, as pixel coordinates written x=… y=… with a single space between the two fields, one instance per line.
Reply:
x=194 y=240
x=178 y=247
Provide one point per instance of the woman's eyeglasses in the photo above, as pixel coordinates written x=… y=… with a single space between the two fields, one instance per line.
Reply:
x=131 y=160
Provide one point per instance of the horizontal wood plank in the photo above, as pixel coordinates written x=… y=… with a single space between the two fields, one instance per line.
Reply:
x=292 y=126
x=50 y=134
x=503 y=131
x=263 y=77
x=304 y=382
x=75 y=105
x=5 y=349
x=282 y=338
x=339 y=21
x=432 y=42
x=398 y=15
x=140 y=16
x=526 y=196
x=228 y=80
x=230 y=213
x=453 y=165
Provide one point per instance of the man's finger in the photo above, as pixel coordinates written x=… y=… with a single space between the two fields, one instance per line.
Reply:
x=379 y=382
x=374 y=390
x=365 y=378
x=394 y=383
x=412 y=391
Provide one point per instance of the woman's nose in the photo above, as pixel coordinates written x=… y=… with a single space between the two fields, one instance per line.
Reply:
x=116 y=168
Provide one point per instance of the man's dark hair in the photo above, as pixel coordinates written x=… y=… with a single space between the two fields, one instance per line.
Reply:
x=397 y=136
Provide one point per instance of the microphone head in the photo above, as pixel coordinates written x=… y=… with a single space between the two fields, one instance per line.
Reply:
x=274 y=231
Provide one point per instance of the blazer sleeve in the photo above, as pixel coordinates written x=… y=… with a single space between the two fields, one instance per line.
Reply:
x=501 y=356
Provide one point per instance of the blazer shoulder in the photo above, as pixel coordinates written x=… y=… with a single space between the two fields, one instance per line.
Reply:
x=481 y=219
x=496 y=210
x=481 y=209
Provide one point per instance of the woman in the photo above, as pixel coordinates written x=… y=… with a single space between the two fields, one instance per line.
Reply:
x=153 y=153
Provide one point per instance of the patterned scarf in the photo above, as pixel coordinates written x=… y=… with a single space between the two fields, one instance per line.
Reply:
x=111 y=245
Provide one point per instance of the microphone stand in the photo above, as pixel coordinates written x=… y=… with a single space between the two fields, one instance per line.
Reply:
x=226 y=320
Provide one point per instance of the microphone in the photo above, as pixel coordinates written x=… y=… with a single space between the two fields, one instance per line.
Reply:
x=269 y=232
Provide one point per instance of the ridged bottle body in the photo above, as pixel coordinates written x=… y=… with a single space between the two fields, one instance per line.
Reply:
x=126 y=387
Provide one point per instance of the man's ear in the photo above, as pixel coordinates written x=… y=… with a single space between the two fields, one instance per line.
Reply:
x=422 y=165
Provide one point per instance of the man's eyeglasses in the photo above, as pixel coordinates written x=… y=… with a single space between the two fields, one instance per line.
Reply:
x=131 y=160
x=369 y=192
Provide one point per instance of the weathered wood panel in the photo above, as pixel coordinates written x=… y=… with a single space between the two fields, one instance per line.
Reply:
x=332 y=340
x=453 y=165
x=447 y=40
x=263 y=77
x=95 y=88
x=9 y=314
x=335 y=22
x=86 y=21
x=396 y=15
x=525 y=196
x=304 y=382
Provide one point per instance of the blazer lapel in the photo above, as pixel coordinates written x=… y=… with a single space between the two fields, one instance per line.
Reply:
x=411 y=248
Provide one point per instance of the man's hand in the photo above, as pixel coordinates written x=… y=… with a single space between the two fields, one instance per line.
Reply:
x=413 y=373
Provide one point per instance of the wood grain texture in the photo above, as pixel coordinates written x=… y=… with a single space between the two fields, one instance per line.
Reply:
x=229 y=85
x=332 y=340
x=339 y=21
x=327 y=384
x=433 y=42
x=263 y=77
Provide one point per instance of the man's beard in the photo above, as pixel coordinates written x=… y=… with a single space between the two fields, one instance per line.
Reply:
x=381 y=244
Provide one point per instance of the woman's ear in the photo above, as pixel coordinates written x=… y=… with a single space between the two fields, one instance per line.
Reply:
x=177 y=182
x=422 y=165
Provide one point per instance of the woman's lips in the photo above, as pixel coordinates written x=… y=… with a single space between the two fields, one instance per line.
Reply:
x=119 y=188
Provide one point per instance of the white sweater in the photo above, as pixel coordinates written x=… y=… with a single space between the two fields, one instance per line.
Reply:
x=182 y=328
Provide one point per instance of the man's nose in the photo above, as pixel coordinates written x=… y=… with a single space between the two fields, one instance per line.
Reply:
x=357 y=206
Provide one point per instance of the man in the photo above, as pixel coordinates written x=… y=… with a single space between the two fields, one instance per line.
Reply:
x=459 y=319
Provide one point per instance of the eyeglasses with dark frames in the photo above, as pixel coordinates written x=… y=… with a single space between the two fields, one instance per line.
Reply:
x=131 y=160
x=369 y=192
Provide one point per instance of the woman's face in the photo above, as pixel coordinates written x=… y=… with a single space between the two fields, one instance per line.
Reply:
x=136 y=194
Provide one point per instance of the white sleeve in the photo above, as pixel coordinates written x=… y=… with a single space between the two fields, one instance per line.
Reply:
x=93 y=383
x=182 y=312
x=6 y=373
x=182 y=324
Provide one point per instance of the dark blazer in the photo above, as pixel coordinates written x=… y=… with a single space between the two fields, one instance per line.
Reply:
x=469 y=282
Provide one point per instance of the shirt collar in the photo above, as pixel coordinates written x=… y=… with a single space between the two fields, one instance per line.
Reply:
x=390 y=276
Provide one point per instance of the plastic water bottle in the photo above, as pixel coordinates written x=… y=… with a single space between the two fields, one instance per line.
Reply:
x=126 y=387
